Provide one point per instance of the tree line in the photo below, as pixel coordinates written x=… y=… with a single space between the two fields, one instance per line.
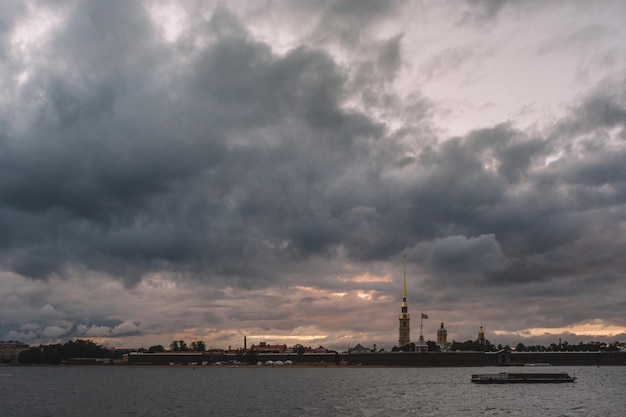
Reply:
x=475 y=346
x=181 y=346
x=566 y=347
x=59 y=353
x=467 y=346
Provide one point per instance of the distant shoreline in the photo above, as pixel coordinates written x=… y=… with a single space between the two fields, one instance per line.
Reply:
x=397 y=359
x=379 y=359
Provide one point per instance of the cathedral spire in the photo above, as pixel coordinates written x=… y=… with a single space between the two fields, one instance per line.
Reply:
x=404 y=287
x=404 y=328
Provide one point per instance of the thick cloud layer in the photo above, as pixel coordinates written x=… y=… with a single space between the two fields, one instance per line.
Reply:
x=208 y=172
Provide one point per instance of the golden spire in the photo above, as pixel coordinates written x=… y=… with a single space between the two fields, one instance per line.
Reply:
x=405 y=329
x=404 y=287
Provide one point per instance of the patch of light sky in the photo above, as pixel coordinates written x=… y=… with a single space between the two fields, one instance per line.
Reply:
x=31 y=33
x=170 y=17
x=596 y=328
x=29 y=37
x=367 y=278
x=275 y=26
x=320 y=291
x=496 y=81
x=499 y=73
x=281 y=337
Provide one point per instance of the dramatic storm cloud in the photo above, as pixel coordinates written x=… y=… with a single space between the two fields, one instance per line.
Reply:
x=208 y=170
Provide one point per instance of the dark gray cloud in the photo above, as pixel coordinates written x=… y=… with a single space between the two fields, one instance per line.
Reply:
x=233 y=156
x=214 y=164
x=601 y=110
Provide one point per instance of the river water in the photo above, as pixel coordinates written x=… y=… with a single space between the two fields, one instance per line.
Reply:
x=285 y=391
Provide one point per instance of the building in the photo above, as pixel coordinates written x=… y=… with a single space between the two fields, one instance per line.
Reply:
x=263 y=347
x=166 y=358
x=481 y=336
x=404 y=327
x=442 y=337
x=10 y=351
x=321 y=349
x=359 y=349
x=90 y=361
x=421 y=345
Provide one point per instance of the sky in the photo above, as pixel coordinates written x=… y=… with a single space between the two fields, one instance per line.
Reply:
x=207 y=170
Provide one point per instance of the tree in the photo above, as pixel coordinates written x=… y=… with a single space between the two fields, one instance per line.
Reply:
x=31 y=356
x=252 y=356
x=433 y=347
x=156 y=348
x=52 y=354
x=198 y=346
x=299 y=349
x=410 y=347
x=471 y=345
x=84 y=349
x=178 y=346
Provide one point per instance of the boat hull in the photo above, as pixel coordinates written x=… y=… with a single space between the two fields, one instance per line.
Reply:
x=522 y=378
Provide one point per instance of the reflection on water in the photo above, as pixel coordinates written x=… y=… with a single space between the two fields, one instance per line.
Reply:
x=214 y=391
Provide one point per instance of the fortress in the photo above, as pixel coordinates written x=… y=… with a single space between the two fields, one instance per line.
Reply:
x=418 y=357
x=404 y=328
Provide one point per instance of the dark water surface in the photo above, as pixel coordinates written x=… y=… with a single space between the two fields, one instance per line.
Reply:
x=214 y=391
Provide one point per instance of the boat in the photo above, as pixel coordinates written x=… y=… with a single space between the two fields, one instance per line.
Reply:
x=522 y=378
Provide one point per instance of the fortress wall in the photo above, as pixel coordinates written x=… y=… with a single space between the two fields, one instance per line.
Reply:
x=569 y=358
x=427 y=359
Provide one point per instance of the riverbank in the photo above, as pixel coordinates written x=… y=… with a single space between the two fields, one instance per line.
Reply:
x=392 y=359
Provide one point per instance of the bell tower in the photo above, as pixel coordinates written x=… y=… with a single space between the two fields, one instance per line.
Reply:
x=442 y=337
x=481 y=336
x=404 y=329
